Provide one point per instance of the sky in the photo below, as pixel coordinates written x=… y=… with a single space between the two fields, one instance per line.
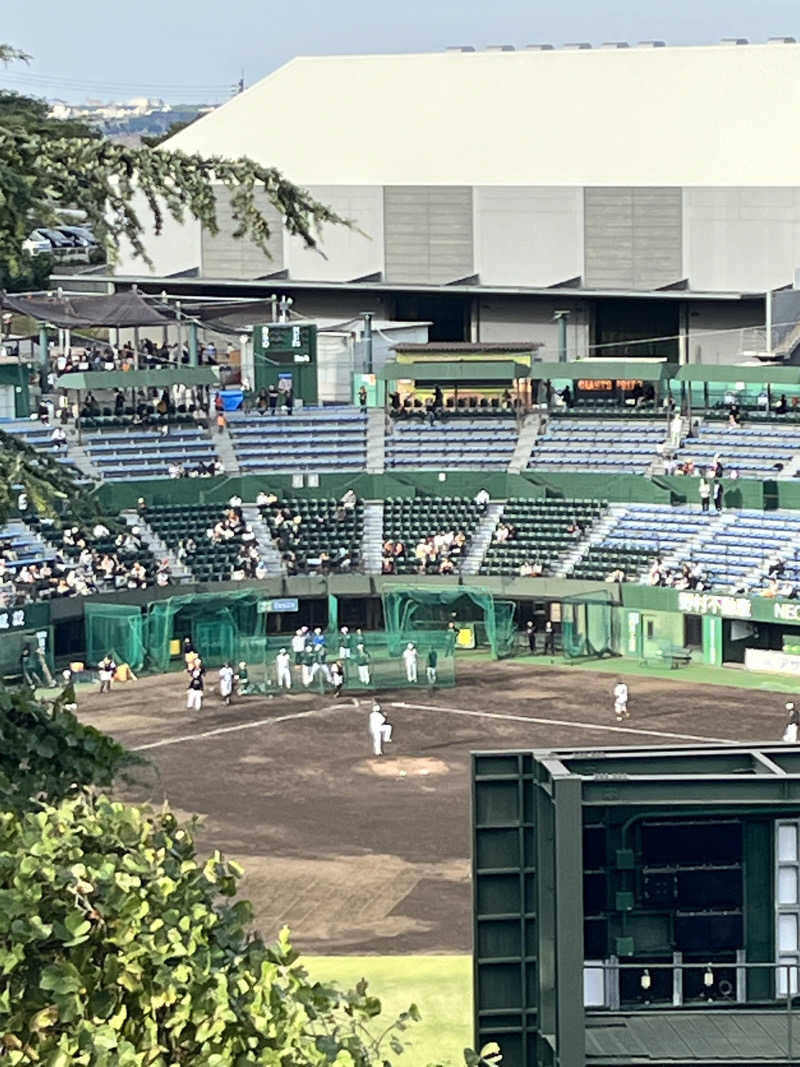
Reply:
x=196 y=50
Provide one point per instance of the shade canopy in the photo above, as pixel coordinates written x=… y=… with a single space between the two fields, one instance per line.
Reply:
x=449 y=372
x=124 y=309
x=646 y=370
x=153 y=378
x=758 y=375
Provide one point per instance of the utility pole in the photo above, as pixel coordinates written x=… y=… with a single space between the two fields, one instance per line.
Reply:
x=367 y=316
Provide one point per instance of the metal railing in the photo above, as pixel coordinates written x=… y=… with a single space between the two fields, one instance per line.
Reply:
x=723 y=984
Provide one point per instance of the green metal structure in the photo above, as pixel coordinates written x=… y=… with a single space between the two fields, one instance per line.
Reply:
x=638 y=905
x=286 y=355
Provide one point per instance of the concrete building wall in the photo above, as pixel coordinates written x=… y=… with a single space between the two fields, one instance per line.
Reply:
x=428 y=233
x=632 y=237
x=528 y=235
x=741 y=238
x=531 y=319
x=176 y=250
x=224 y=256
x=715 y=330
x=344 y=253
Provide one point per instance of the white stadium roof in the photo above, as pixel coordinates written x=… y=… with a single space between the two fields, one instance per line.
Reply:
x=724 y=115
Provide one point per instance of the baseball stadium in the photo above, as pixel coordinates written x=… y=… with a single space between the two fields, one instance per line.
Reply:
x=452 y=577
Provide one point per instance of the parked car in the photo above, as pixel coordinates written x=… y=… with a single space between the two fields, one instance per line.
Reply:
x=78 y=236
x=56 y=239
x=36 y=244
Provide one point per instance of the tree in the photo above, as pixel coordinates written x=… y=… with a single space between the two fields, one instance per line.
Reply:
x=49 y=485
x=47 y=755
x=44 y=168
x=154 y=139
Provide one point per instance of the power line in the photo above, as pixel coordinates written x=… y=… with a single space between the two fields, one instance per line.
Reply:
x=43 y=80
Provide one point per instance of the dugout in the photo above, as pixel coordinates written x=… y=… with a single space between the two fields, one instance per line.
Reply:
x=422 y=615
x=637 y=906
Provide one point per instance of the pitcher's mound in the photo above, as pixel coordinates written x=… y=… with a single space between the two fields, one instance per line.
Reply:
x=405 y=766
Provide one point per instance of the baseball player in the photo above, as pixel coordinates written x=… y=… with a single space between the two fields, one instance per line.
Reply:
x=792 y=731
x=194 y=692
x=298 y=645
x=242 y=680
x=549 y=639
x=320 y=664
x=318 y=638
x=345 y=643
x=410 y=662
x=283 y=670
x=105 y=672
x=362 y=662
x=226 y=682
x=307 y=662
x=621 y=701
x=380 y=729
x=430 y=670
x=337 y=678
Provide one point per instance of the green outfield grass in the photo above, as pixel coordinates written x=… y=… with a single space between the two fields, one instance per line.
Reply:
x=440 y=986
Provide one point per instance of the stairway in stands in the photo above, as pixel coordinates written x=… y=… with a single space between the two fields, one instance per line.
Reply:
x=481 y=539
x=372 y=539
x=266 y=546
x=158 y=548
x=376 y=441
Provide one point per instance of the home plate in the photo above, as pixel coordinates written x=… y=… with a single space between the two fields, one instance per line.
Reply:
x=406 y=766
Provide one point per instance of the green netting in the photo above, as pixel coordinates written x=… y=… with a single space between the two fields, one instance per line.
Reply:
x=38 y=665
x=421 y=615
x=116 y=629
x=587 y=626
x=217 y=624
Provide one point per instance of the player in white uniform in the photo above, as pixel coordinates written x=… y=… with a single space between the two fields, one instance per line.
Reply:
x=621 y=701
x=410 y=661
x=792 y=732
x=380 y=730
x=283 y=670
x=226 y=682
x=298 y=645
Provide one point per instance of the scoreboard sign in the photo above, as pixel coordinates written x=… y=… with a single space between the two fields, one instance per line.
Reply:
x=285 y=355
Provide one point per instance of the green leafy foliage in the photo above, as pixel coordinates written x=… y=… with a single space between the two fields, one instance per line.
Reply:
x=48 y=485
x=48 y=164
x=120 y=946
x=46 y=754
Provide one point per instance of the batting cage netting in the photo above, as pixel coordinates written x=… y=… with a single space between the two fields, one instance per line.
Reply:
x=587 y=626
x=423 y=616
x=230 y=627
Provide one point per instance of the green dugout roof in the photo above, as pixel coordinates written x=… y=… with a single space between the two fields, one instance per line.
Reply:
x=647 y=370
x=449 y=372
x=696 y=372
x=155 y=378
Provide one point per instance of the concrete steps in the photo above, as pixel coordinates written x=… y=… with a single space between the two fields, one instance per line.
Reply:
x=226 y=453
x=157 y=547
x=597 y=533
x=481 y=539
x=376 y=441
x=80 y=457
x=532 y=425
x=266 y=546
x=372 y=538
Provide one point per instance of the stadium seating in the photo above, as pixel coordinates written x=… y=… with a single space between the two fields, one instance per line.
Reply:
x=755 y=451
x=210 y=561
x=542 y=534
x=637 y=535
x=327 y=536
x=614 y=446
x=480 y=443
x=413 y=520
x=38 y=436
x=137 y=453
x=315 y=439
x=742 y=545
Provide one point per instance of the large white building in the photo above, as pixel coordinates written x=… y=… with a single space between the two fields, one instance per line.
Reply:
x=648 y=191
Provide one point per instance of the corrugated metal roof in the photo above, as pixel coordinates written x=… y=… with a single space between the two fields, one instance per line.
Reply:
x=701 y=116
x=729 y=1036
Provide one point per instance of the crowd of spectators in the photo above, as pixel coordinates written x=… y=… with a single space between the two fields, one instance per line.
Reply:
x=299 y=539
x=84 y=560
x=681 y=576
x=96 y=357
x=435 y=406
x=439 y=553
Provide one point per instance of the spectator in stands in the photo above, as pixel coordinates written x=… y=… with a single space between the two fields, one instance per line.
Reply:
x=717 y=494
x=362 y=398
x=782 y=406
x=482 y=499
x=735 y=412
x=676 y=430
x=349 y=500
x=58 y=437
x=289 y=400
x=704 y=491
x=716 y=466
